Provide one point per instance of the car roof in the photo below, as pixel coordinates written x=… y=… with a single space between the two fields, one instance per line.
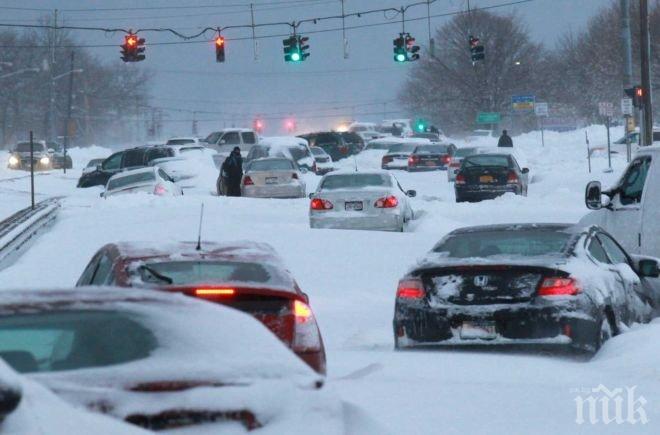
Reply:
x=354 y=172
x=572 y=228
x=130 y=172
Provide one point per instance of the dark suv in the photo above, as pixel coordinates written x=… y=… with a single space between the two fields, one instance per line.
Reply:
x=337 y=145
x=119 y=161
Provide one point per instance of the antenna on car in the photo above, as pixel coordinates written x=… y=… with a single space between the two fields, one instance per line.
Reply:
x=199 y=233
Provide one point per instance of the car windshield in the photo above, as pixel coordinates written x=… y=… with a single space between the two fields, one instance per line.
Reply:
x=127 y=180
x=271 y=165
x=526 y=243
x=179 y=141
x=298 y=152
x=318 y=151
x=432 y=149
x=70 y=340
x=94 y=163
x=431 y=136
x=401 y=148
x=213 y=273
x=356 y=181
x=24 y=147
x=464 y=152
x=486 y=160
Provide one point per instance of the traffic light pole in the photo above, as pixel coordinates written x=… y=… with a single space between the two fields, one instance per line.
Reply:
x=67 y=128
x=647 y=101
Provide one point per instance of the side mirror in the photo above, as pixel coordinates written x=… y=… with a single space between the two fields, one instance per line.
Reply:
x=649 y=268
x=411 y=193
x=525 y=170
x=592 y=196
x=311 y=195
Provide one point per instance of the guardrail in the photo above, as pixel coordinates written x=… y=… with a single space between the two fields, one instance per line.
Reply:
x=20 y=228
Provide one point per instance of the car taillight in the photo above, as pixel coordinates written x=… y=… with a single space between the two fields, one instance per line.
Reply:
x=321 y=204
x=413 y=160
x=555 y=286
x=446 y=159
x=247 y=181
x=410 y=289
x=512 y=178
x=294 y=176
x=306 y=337
x=160 y=190
x=460 y=179
x=387 y=202
x=201 y=292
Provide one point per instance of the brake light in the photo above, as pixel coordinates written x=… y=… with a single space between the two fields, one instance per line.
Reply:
x=558 y=287
x=247 y=181
x=413 y=160
x=160 y=190
x=512 y=178
x=410 y=289
x=294 y=176
x=321 y=204
x=215 y=292
x=387 y=202
x=460 y=179
x=446 y=159
x=307 y=337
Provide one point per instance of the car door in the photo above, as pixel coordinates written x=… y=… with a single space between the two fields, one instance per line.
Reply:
x=650 y=239
x=110 y=167
x=624 y=220
x=611 y=286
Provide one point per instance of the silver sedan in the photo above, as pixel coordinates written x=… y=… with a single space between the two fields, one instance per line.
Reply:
x=360 y=201
x=273 y=177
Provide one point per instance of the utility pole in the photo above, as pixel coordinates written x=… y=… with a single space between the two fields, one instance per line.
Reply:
x=67 y=127
x=626 y=40
x=50 y=135
x=645 y=48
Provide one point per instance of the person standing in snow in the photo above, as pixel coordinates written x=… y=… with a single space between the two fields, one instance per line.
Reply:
x=505 y=140
x=232 y=172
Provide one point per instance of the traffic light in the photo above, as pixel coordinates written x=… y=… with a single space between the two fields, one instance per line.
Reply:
x=420 y=125
x=133 y=48
x=295 y=48
x=290 y=125
x=258 y=125
x=400 y=53
x=411 y=48
x=476 y=49
x=636 y=93
x=219 y=49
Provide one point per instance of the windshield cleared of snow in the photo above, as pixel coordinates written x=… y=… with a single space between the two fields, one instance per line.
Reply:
x=271 y=165
x=355 y=181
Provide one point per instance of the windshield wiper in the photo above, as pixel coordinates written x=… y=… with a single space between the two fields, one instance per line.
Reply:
x=156 y=274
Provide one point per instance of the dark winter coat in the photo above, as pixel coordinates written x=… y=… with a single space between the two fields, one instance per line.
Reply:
x=505 y=141
x=232 y=171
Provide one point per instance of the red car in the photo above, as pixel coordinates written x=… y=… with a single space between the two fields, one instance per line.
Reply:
x=246 y=276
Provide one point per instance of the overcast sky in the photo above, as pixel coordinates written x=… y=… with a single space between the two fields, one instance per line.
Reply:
x=364 y=86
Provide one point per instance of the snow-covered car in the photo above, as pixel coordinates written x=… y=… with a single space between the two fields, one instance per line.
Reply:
x=92 y=165
x=431 y=157
x=185 y=140
x=488 y=176
x=631 y=208
x=359 y=127
x=459 y=155
x=272 y=177
x=368 y=135
x=290 y=147
x=553 y=284
x=397 y=155
x=152 y=180
x=224 y=141
x=322 y=160
x=183 y=161
x=46 y=155
x=372 y=200
x=248 y=276
x=480 y=135
x=161 y=361
x=29 y=408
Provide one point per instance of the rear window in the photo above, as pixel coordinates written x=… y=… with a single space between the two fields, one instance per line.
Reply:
x=378 y=145
x=464 y=152
x=159 y=153
x=318 y=151
x=352 y=181
x=189 y=150
x=432 y=149
x=213 y=273
x=326 y=139
x=486 y=160
x=70 y=340
x=133 y=158
x=271 y=165
x=401 y=148
x=179 y=141
x=526 y=243
x=24 y=147
x=94 y=163
x=431 y=136
x=350 y=137
x=249 y=137
x=120 y=182
x=298 y=152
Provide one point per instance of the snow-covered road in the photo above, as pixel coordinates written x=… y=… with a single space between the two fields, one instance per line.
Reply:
x=351 y=278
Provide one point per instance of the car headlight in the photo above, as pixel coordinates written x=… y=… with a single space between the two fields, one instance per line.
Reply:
x=13 y=161
x=44 y=160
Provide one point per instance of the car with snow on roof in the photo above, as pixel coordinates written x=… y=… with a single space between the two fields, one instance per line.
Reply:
x=555 y=285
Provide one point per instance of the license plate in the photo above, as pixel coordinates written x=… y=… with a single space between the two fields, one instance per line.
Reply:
x=430 y=163
x=271 y=180
x=483 y=329
x=353 y=205
x=486 y=179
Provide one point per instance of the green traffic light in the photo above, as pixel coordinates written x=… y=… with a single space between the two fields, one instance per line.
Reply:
x=295 y=56
x=400 y=57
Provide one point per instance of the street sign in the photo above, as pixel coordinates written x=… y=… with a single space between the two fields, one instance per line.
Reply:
x=606 y=108
x=627 y=106
x=488 y=118
x=541 y=109
x=523 y=102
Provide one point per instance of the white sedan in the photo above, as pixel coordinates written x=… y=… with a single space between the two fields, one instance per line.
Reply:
x=371 y=200
x=152 y=180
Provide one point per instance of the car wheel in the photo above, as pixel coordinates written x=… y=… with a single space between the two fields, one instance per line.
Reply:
x=605 y=333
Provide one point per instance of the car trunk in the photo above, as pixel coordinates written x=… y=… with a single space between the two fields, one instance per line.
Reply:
x=486 y=175
x=359 y=202
x=271 y=178
x=133 y=188
x=422 y=160
x=484 y=285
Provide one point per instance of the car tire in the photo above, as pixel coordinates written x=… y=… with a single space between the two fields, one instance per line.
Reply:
x=605 y=332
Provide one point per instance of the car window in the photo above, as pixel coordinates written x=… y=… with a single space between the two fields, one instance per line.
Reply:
x=326 y=139
x=24 y=147
x=249 y=137
x=486 y=160
x=72 y=339
x=376 y=145
x=298 y=152
x=525 y=243
x=597 y=251
x=113 y=162
x=632 y=183
x=134 y=158
x=213 y=137
x=432 y=149
x=614 y=252
x=162 y=174
x=271 y=165
x=126 y=180
x=352 y=181
x=159 y=153
x=318 y=151
x=231 y=138
x=88 y=273
x=179 y=141
x=102 y=274
x=464 y=152
x=401 y=148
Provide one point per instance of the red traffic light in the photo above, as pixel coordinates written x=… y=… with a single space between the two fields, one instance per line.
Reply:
x=639 y=92
x=219 y=41
x=131 y=40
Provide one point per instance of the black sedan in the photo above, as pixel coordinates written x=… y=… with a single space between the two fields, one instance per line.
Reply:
x=431 y=157
x=540 y=284
x=487 y=176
